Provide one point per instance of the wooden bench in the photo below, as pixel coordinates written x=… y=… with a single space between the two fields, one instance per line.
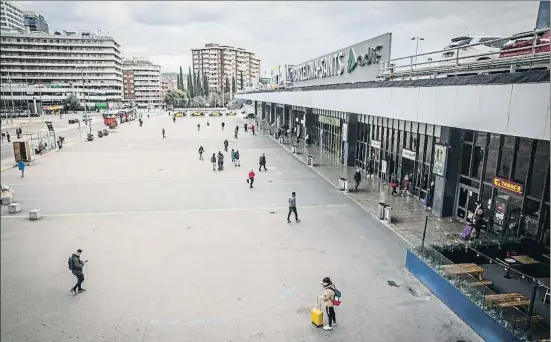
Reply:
x=456 y=269
x=480 y=283
x=524 y=319
x=507 y=300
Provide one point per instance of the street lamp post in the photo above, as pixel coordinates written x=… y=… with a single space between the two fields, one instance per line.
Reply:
x=417 y=39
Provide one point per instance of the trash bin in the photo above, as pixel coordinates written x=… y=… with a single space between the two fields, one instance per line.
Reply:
x=388 y=213
x=309 y=160
x=294 y=149
x=381 y=210
x=343 y=184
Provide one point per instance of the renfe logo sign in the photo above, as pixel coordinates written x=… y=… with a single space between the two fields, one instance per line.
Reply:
x=372 y=56
x=356 y=63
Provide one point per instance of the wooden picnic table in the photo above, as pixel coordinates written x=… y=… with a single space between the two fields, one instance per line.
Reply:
x=456 y=269
x=524 y=259
x=507 y=300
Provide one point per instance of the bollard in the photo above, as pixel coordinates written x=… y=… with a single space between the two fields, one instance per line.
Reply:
x=294 y=149
x=35 y=214
x=14 y=208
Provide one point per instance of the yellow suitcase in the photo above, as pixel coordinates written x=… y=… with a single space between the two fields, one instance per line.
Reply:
x=317 y=316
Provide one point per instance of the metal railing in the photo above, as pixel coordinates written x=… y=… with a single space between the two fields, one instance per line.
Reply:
x=408 y=67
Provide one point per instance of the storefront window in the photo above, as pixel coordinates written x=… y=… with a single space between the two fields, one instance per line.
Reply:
x=478 y=159
x=401 y=142
x=523 y=160
x=539 y=169
x=531 y=218
x=481 y=139
x=466 y=159
x=469 y=135
x=486 y=197
x=421 y=151
x=491 y=164
x=407 y=140
x=507 y=155
x=429 y=152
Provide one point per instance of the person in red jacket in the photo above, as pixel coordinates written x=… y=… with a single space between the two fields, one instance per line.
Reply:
x=252 y=128
x=251 y=179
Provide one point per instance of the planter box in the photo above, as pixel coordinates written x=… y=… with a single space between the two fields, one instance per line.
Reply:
x=470 y=313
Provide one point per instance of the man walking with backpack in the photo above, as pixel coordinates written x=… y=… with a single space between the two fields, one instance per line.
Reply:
x=76 y=265
x=237 y=162
x=213 y=161
x=293 y=207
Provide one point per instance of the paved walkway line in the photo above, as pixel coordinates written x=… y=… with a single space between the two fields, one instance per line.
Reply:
x=181 y=211
x=115 y=181
x=346 y=194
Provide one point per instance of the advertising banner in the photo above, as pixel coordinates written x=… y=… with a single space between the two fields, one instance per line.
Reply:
x=440 y=159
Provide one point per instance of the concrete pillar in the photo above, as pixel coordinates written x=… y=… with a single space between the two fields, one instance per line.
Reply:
x=445 y=187
x=351 y=138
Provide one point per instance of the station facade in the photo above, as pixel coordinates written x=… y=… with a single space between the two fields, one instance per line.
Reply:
x=492 y=146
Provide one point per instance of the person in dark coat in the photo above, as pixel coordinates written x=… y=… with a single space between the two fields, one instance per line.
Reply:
x=78 y=271
x=262 y=162
x=357 y=179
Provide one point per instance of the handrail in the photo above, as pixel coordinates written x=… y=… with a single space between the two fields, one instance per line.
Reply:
x=390 y=68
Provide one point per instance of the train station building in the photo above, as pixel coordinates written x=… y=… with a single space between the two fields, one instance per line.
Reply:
x=479 y=137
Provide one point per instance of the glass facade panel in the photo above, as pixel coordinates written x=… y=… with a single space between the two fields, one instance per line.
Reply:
x=491 y=164
x=481 y=139
x=523 y=160
x=478 y=161
x=469 y=135
x=466 y=159
x=507 y=155
x=539 y=169
x=429 y=152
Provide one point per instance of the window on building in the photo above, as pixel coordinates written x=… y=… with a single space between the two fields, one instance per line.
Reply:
x=466 y=159
x=491 y=164
x=507 y=155
x=539 y=169
x=523 y=159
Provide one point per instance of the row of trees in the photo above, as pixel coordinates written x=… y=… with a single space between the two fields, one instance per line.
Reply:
x=197 y=91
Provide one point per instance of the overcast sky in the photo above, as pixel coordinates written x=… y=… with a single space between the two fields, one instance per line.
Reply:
x=283 y=32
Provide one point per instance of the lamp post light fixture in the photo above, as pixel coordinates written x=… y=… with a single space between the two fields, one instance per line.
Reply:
x=417 y=39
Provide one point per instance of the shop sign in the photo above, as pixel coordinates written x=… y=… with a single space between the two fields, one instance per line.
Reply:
x=508 y=185
x=440 y=159
x=356 y=63
x=408 y=154
x=376 y=144
x=329 y=120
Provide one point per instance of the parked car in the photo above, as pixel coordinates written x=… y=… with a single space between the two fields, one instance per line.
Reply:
x=180 y=114
x=524 y=42
x=214 y=114
x=231 y=113
x=487 y=49
x=73 y=121
x=198 y=114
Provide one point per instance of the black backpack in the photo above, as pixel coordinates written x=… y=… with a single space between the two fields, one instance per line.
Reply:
x=71 y=264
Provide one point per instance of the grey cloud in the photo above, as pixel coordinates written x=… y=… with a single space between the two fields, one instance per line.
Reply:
x=284 y=32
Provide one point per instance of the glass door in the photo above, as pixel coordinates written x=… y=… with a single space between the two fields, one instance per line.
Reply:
x=466 y=202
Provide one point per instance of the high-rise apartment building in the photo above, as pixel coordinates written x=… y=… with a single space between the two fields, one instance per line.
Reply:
x=11 y=17
x=34 y=21
x=221 y=62
x=48 y=68
x=142 y=82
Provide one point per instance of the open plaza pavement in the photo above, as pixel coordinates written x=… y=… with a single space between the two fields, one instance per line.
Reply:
x=178 y=252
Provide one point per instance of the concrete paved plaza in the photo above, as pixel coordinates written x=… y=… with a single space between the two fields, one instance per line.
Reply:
x=178 y=252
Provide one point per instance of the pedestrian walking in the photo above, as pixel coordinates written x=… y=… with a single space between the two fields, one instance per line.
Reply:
x=198 y=126
x=262 y=163
x=8 y=137
x=223 y=125
x=213 y=161
x=141 y=122
x=252 y=128
x=208 y=122
x=394 y=184
x=76 y=267
x=328 y=298
x=164 y=133
x=226 y=143
x=201 y=150
x=236 y=131
x=357 y=179
x=237 y=162
x=220 y=161
x=245 y=127
x=21 y=166
x=232 y=154
x=250 y=180
x=293 y=207
x=59 y=143
x=174 y=118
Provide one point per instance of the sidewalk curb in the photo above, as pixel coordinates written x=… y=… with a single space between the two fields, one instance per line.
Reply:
x=385 y=224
